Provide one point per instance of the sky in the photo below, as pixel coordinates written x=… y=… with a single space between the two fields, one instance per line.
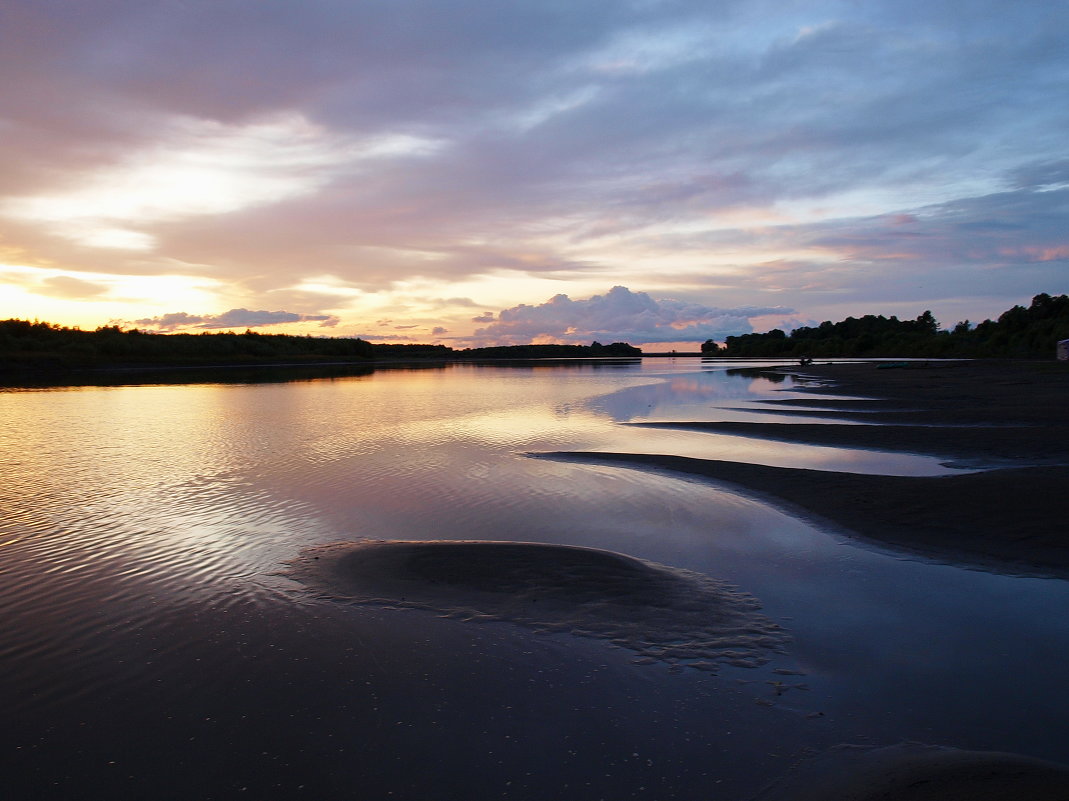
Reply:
x=476 y=173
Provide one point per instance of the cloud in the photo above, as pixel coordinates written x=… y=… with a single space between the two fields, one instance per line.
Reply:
x=1007 y=244
x=618 y=315
x=438 y=330
x=171 y=322
x=64 y=286
x=943 y=241
x=1042 y=174
x=202 y=168
x=456 y=144
x=234 y=318
x=386 y=337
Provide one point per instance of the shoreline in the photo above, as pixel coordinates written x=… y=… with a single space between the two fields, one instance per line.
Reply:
x=1001 y=520
x=21 y=377
x=1010 y=518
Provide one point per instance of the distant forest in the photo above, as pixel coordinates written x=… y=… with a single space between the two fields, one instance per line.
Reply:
x=1019 y=333
x=40 y=346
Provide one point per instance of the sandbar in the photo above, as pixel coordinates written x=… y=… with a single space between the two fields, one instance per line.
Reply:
x=662 y=613
x=1007 y=416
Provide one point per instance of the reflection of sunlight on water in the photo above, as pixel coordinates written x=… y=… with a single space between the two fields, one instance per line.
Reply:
x=128 y=509
x=765 y=386
x=423 y=407
x=527 y=427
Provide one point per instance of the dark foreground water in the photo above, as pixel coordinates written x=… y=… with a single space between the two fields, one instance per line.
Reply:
x=153 y=644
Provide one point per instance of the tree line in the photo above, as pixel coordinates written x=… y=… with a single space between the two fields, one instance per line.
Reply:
x=1018 y=333
x=593 y=350
x=41 y=345
x=36 y=346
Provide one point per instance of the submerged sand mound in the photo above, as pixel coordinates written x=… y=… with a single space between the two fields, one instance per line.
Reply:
x=661 y=612
x=918 y=772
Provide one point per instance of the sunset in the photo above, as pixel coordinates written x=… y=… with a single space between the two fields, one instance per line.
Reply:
x=413 y=171
x=604 y=400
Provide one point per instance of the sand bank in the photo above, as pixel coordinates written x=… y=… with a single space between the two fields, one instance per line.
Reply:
x=995 y=413
x=989 y=446
x=991 y=392
x=1008 y=519
x=662 y=613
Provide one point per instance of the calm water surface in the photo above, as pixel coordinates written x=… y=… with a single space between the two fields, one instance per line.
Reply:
x=154 y=647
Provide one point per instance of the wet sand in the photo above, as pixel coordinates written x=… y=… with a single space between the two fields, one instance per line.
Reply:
x=1010 y=519
x=1006 y=417
x=662 y=613
x=916 y=772
x=961 y=446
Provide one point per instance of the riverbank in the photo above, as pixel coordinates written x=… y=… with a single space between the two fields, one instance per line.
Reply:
x=1006 y=416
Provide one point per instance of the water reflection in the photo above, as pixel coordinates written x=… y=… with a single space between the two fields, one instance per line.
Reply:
x=707 y=445
x=680 y=396
x=21 y=380
x=148 y=628
x=223 y=374
x=735 y=395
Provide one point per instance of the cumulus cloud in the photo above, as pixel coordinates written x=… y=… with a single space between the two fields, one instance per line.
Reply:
x=234 y=318
x=171 y=322
x=619 y=315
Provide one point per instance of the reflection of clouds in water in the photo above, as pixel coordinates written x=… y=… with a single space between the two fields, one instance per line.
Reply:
x=679 y=393
x=662 y=613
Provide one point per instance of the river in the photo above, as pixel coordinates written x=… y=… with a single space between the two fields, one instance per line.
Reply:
x=156 y=644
